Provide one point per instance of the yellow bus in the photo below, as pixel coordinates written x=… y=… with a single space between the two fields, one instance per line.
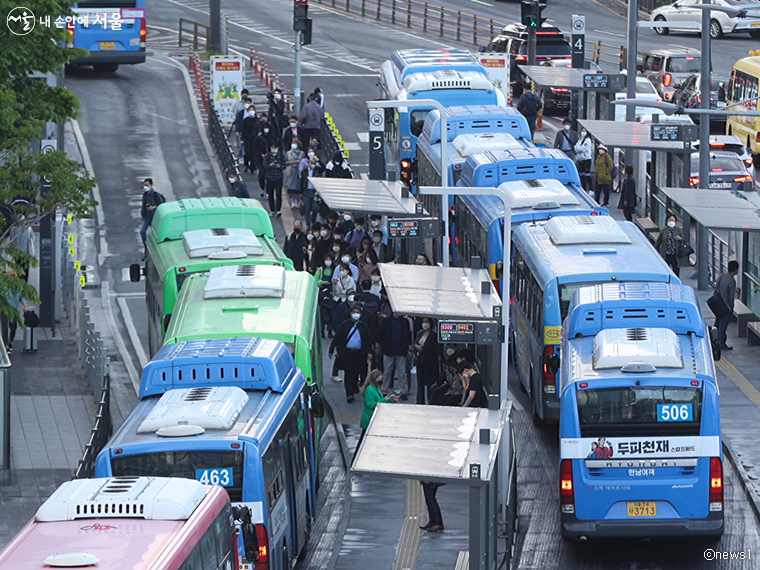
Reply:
x=743 y=86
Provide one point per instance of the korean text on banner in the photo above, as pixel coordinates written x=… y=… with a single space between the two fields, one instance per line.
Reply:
x=497 y=69
x=227 y=79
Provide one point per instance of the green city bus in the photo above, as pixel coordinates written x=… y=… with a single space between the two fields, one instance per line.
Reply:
x=195 y=235
x=253 y=301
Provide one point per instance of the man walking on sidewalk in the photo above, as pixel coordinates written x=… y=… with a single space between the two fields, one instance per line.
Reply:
x=394 y=337
x=725 y=289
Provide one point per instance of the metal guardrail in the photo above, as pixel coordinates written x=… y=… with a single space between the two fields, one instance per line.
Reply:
x=331 y=141
x=92 y=353
x=193 y=28
x=425 y=17
x=99 y=435
x=222 y=147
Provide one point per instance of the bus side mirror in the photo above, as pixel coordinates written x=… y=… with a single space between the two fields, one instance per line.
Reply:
x=552 y=363
x=135 y=272
x=316 y=403
x=248 y=530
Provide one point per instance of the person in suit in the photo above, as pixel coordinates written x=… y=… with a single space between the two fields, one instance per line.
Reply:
x=435 y=519
x=295 y=246
x=427 y=353
x=353 y=345
x=293 y=132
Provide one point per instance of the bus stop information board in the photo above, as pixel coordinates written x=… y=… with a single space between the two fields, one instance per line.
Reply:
x=666 y=132
x=403 y=228
x=456 y=332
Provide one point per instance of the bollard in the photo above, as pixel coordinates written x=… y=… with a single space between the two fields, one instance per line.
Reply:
x=443 y=10
x=540 y=120
x=491 y=29
x=424 y=19
x=408 y=13
x=364 y=2
x=475 y=30
x=623 y=57
x=377 y=16
x=459 y=25
x=393 y=11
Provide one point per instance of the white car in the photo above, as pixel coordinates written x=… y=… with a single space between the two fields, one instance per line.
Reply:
x=720 y=22
x=644 y=90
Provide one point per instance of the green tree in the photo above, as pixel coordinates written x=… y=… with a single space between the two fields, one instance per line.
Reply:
x=27 y=105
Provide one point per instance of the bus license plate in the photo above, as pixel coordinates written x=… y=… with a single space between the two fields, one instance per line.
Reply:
x=107 y=45
x=642 y=509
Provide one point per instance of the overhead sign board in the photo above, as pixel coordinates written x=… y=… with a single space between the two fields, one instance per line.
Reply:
x=470 y=332
x=603 y=82
x=413 y=228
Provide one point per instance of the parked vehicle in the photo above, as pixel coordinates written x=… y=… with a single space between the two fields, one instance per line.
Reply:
x=668 y=69
x=644 y=90
x=689 y=96
x=727 y=172
x=720 y=22
x=729 y=143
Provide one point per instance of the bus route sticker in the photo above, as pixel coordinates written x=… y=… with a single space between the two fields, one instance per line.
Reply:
x=552 y=335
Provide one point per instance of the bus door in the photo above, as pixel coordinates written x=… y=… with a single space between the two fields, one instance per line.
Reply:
x=296 y=462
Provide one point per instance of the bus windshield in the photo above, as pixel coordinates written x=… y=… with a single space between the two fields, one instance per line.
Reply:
x=186 y=464
x=639 y=411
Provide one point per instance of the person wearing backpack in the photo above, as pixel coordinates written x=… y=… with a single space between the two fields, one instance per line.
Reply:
x=151 y=199
x=529 y=105
x=604 y=166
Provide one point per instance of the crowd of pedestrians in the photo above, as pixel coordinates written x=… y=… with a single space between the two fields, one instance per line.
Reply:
x=284 y=151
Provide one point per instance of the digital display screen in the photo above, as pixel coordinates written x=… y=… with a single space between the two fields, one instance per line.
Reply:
x=403 y=228
x=456 y=332
x=596 y=81
x=665 y=132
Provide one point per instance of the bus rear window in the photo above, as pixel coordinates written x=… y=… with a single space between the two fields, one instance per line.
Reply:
x=417 y=121
x=566 y=293
x=639 y=411
x=188 y=465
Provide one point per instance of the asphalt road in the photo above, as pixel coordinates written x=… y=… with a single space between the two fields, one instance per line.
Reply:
x=140 y=122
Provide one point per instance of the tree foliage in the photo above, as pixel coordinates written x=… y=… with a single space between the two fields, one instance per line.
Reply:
x=27 y=105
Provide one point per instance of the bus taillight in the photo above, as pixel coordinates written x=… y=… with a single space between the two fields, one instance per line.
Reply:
x=551 y=365
x=566 y=494
x=716 y=484
x=263 y=561
x=143 y=32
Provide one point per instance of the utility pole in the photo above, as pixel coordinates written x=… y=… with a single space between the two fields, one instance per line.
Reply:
x=633 y=43
x=215 y=26
x=297 y=103
x=704 y=147
x=530 y=15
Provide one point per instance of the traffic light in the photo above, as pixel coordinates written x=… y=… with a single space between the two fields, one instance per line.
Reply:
x=407 y=171
x=300 y=15
x=530 y=13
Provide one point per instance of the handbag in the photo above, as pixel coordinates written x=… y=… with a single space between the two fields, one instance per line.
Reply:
x=717 y=306
x=684 y=250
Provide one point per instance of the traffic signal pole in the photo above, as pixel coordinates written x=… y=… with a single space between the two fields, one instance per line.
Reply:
x=298 y=102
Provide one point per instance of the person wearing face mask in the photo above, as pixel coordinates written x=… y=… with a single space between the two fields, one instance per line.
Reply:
x=583 y=156
x=241 y=113
x=346 y=222
x=566 y=138
x=447 y=390
x=311 y=243
x=353 y=345
x=356 y=234
x=604 y=165
x=151 y=199
x=628 y=193
x=427 y=354
x=422 y=259
x=394 y=342
x=343 y=292
x=378 y=289
x=365 y=247
x=382 y=251
x=238 y=187
x=368 y=265
x=293 y=156
x=250 y=128
x=312 y=116
x=323 y=275
x=295 y=246
x=474 y=390
x=311 y=169
x=261 y=145
x=338 y=167
x=274 y=163
x=668 y=242
x=323 y=244
x=277 y=112
x=376 y=225
x=293 y=132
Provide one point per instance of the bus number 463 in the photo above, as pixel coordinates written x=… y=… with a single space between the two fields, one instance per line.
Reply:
x=221 y=477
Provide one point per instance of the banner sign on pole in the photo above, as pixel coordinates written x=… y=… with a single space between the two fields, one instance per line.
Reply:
x=497 y=69
x=227 y=79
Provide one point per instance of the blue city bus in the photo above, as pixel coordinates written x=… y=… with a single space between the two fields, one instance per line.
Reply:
x=230 y=412
x=495 y=167
x=450 y=76
x=640 y=440
x=113 y=31
x=550 y=261
x=480 y=219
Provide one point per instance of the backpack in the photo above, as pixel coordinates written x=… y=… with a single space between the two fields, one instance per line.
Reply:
x=529 y=105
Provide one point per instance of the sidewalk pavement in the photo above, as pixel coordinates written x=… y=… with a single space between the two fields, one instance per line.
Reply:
x=52 y=413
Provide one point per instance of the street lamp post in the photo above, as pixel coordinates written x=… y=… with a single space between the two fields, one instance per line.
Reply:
x=704 y=146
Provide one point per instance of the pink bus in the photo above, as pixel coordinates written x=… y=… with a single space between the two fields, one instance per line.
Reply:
x=135 y=523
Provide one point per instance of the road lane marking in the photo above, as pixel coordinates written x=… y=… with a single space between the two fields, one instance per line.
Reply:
x=481 y=2
x=133 y=336
x=116 y=335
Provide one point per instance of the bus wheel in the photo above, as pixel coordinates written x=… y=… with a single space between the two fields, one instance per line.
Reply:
x=105 y=67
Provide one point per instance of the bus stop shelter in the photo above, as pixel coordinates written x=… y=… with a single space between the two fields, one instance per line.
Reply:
x=438 y=444
x=717 y=210
x=670 y=162
x=368 y=196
